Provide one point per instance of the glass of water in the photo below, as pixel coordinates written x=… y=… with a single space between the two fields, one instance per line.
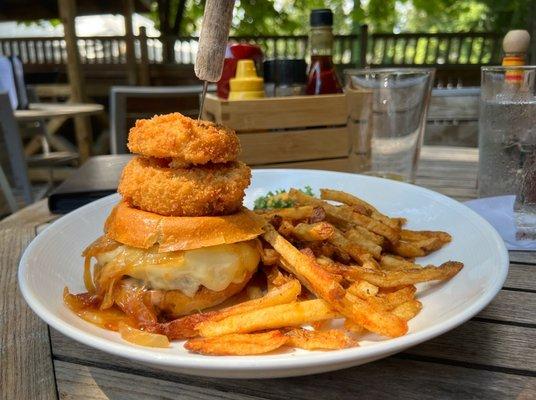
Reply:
x=507 y=140
x=387 y=116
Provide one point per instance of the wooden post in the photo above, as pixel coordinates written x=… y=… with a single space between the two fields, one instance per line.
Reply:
x=363 y=43
x=67 y=9
x=144 y=76
x=128 y=11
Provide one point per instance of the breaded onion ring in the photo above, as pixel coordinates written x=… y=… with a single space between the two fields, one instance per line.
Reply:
x=184 y=139
x=213 y=189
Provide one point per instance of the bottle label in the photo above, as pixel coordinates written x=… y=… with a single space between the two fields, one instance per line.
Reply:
x=513 y=75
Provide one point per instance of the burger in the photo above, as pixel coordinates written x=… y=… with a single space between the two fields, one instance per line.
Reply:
x=180 y=240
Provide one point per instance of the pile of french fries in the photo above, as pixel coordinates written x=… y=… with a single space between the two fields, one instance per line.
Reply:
x=325 y=260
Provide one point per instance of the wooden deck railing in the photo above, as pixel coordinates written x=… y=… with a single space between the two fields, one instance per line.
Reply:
x=376 y=49
x=434 y=48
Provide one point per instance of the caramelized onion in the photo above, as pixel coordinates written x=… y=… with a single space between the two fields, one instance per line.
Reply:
x=88 y=280
x=101 y=245
x=85 y=305
x=130 y=298
x=142 y=338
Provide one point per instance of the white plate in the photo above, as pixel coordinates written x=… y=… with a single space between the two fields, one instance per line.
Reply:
x=52 y=261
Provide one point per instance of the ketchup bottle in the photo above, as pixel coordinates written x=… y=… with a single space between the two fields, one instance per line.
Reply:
x=322 y=75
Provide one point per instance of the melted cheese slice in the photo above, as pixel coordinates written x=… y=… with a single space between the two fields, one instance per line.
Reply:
x=214 y=267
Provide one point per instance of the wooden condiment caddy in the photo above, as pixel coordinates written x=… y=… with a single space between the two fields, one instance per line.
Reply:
x=301 y=131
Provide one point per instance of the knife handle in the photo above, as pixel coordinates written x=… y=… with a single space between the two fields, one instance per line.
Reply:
x=213 y=39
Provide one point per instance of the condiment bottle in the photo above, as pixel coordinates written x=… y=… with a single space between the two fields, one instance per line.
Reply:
x=246 y=85
x=322 y=76
x=234 y=53
x=291 y=77
x=515 y=46
x=269 y=75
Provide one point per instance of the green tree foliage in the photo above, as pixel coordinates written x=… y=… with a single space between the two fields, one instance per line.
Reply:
x=280 y=17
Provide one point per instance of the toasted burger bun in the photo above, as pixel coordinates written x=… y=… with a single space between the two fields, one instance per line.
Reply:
x=176 y=304
x=142 y=229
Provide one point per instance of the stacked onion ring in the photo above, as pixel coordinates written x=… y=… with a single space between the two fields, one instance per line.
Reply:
x=184 y=167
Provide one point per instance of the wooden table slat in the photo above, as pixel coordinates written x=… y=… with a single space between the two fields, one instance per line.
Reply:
x=486 y=344
x=526 y=257
x=81 y=382
x=512 y=306
x=521 y=276
x=387 y=379
x=26 y=370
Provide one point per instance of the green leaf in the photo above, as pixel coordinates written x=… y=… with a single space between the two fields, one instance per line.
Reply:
x=271 y=200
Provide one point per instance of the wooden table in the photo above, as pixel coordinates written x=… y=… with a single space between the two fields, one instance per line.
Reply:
x=493 y=356
x=56 y=114
x=37 y=111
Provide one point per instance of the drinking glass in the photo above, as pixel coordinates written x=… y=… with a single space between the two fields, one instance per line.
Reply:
x=507 y=140
x=387 y=116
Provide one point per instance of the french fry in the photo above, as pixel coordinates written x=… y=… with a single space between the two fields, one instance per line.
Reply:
x=373 y=237
x=274 y=277
x=286 y=293
x=285 y=228
x=355 y=251
x=354 y=236
x=318 y=215
x=408 y=310
x=238 y=344
x=304 y=267
x=279 y=316
x=363 y=289
x=407 y=249
x=373 y=318
x=269 y=256
x=389 y=279
x=291 y=213
x=322 y=284
x=391 y=234
x=415 y=236
x=391 y=300
x=386 y=301
x=319 y=231
x=401 y=221
x=351 y=200
x=320 y=325
x=332 y=339
x=346 y=214
x=356 y=329
x=429 y=245
x=181 y=328
x=391 y=263
x=185 y=327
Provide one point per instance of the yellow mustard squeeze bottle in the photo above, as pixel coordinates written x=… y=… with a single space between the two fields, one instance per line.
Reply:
x=246 y=85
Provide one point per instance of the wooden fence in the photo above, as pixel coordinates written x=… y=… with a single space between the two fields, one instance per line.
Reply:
x=376 y=49
x=452 y=54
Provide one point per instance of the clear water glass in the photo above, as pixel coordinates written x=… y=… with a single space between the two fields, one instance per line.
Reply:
x=507 y=140
x=387 y=117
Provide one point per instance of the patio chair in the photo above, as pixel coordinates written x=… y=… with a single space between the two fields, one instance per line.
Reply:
x=11 y=84
x=15 y=151
x=128 y=103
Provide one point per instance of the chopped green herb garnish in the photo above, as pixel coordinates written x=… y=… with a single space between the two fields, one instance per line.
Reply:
x=278 y=199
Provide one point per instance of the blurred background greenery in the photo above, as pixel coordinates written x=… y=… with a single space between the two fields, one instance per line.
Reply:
x=291 y=17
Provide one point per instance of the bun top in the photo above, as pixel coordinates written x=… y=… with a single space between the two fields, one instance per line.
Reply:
x=184 y=139
x=142 y=229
